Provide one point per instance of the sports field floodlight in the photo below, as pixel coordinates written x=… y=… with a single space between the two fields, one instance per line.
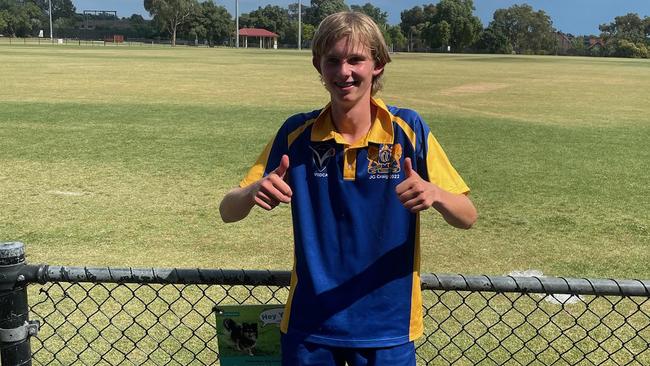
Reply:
x=237 y=23
x=299 y=25
x=51 y=36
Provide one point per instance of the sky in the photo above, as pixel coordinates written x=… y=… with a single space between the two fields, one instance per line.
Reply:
x=578 y=17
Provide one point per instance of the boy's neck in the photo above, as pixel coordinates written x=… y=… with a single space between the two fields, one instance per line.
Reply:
x=353 y=123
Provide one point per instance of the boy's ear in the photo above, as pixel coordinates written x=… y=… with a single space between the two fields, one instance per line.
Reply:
x=379 y=69
x=316 y=62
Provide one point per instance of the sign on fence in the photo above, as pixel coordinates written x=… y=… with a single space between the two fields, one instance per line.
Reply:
x=249 y=335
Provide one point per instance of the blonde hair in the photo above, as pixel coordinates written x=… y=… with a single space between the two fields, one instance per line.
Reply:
x=359 y=28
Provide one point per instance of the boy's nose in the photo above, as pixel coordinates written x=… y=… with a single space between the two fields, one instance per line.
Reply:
x=345 y=69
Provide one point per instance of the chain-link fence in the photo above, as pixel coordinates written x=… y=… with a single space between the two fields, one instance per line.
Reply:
x=135 y=316
x=112 y=316
x=109 y=316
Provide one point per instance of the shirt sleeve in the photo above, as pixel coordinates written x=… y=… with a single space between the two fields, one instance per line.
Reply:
x=440 y=171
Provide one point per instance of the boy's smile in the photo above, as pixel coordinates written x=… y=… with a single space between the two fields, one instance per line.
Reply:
x=347 y=70
x=347 y=84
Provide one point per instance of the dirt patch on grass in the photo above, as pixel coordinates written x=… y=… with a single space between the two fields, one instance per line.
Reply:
x=477 y=88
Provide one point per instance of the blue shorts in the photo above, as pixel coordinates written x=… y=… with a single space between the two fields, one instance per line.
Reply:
x=296 y=352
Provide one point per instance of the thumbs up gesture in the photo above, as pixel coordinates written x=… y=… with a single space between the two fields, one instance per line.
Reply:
x=415 y=193
x=272 y=189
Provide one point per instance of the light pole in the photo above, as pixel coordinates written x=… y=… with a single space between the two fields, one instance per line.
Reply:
x=51 y=36
x=236 y=22
x=299 y=25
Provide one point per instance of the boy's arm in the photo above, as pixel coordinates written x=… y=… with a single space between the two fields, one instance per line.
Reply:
x=416 y=194
x=267 y=193
x=236 y=204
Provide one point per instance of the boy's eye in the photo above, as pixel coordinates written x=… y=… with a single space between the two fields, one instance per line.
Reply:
x=332 y=60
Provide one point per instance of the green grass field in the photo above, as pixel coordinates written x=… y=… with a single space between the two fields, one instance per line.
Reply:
x=120 y=156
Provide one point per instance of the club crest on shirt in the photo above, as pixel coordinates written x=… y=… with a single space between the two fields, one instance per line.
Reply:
x=321 y=155
x=384 y=159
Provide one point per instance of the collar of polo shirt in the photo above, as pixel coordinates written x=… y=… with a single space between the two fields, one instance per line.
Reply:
x=381 y=131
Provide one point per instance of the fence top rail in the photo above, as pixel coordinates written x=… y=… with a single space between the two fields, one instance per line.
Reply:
x=545 y=285
x=444 y=282
x=198 y=276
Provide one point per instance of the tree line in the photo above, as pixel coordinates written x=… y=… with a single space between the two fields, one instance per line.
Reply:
x=447 y=26
x=24 y=18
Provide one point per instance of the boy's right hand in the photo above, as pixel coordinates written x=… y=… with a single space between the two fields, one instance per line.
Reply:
x=272 y=189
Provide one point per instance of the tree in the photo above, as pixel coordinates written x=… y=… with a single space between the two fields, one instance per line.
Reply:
x=20 y=20
x=320 y=9
x=308 y=32
x=63 y=15
x=396 y=38
x=63 y=27
x=625 y=48
x=171 y=14
x=414 y=22
x=453 y=24
x=270 y=17
x=291 y=36
x=60 y=8
x=293 y=11
x=629 y=27
x=439 y=34
x=578 y=46
x=140 y=27
x=627 y=36
x=377 y=15
x=527 y=31
x=212 y=23
x=493 y=40
x=4 y=21
x=218 y=23
x=380 y=17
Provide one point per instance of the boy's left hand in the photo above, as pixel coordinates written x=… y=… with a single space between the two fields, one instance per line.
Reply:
x=415 y=193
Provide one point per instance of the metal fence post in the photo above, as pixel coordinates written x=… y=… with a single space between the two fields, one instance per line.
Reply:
x=15 y=327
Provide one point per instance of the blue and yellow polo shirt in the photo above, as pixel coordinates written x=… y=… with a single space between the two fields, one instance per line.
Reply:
x=356 y=275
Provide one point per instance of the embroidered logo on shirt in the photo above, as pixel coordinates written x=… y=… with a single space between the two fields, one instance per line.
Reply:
x=384 y=159
x=320 y=156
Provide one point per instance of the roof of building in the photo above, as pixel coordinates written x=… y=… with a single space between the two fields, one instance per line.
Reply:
x=256 y=32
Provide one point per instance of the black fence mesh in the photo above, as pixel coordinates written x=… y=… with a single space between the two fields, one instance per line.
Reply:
x=122 y=324
x=105 y=323
x=475 y=328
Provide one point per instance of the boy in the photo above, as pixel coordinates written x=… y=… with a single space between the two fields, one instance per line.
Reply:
x=356 y=173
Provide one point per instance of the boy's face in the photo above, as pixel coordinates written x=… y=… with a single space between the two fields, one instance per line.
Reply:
x=347 y=69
